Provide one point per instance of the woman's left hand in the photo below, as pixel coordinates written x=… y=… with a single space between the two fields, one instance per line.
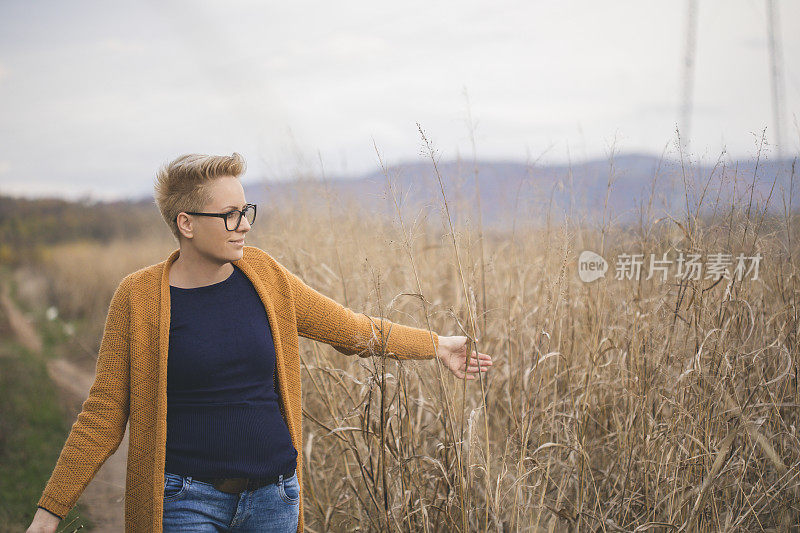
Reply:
x=452 y=352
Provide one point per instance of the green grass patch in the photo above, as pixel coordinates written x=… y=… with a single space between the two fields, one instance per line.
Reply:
x=33 y=429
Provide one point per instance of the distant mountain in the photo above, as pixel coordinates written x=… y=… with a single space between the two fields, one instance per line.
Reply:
x=512 y=189
x=509 y=192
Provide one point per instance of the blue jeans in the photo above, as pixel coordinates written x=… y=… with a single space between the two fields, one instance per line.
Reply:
x=195 y=506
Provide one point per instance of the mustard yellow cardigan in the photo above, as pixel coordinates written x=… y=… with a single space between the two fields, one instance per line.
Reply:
x=131 y=377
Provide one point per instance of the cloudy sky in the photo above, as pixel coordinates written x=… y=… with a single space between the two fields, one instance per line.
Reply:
x=94 y=96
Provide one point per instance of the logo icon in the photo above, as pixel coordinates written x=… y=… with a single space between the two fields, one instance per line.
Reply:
x=591 y=266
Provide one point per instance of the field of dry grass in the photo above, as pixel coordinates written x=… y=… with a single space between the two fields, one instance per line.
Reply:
x=616 y=405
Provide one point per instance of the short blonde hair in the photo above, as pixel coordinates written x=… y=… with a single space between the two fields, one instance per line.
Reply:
x=182 y=184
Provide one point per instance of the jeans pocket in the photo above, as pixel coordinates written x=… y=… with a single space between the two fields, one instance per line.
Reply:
x=174 y=486
x=290 y=489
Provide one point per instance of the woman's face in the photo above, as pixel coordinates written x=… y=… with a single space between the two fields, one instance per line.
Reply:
x=209 y=235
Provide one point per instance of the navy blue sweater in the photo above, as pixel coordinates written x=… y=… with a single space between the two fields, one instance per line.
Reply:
x=223 y=411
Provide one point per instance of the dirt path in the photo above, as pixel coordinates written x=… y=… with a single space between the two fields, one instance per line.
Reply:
x=20 y=326
x=103 y=498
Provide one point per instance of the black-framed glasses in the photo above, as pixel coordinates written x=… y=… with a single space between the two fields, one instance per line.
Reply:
x=232 y=217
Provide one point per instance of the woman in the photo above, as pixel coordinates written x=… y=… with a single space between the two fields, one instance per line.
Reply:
x=200 y=356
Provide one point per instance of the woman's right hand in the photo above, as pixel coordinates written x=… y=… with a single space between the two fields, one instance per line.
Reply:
x=43 y=522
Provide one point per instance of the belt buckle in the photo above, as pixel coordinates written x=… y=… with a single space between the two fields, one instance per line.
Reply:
x=231 y=485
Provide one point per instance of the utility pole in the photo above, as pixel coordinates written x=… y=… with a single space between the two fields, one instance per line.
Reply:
x=776 y=64
x=685 y=120
x=688 y=72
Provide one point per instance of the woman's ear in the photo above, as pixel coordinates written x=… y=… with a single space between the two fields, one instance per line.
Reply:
x=184 y=222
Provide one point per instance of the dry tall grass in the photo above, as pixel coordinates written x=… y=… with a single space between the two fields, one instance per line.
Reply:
x=619 y=405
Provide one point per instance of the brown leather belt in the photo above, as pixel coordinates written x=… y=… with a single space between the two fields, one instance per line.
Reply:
x=235 y=485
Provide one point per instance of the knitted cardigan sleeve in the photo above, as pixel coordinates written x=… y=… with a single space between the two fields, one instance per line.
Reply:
x=100 y=426
x=323 y=319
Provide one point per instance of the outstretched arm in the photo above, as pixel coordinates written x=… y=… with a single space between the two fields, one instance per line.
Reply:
x=100 y=426
x=323 y=319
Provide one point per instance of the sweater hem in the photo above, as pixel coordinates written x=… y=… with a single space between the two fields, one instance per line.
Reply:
x=54 y=507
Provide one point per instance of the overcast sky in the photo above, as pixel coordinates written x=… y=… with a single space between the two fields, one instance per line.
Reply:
x=95 y=96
